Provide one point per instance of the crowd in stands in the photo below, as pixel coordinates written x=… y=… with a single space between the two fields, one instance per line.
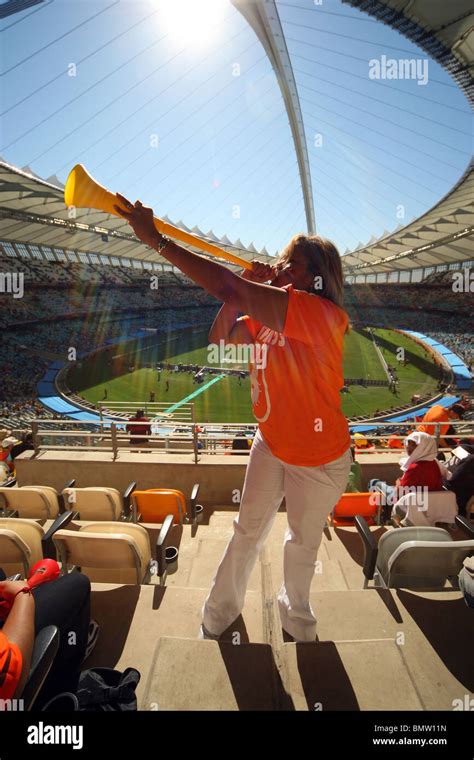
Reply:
x=461 y=344
x=103 y=303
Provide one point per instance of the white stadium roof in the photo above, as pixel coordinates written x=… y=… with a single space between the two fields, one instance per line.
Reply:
x=444 y=234
x=32 y=209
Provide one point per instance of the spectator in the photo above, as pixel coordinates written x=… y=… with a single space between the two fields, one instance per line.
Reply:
x=394 y=442
x=461 y=481
x=361 y=443
x=64 y=602
x=421 y=468
x=240 y=444
x=138 y=429
x=26 y=444
x=6 y=452
x=439 y=414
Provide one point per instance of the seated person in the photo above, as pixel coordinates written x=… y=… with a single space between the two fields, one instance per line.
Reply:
x=354 y=483
x=439 y=414
x=26 y=444
x=393 y=442
x=361 y=443
x=240 y=443
x=461 y=480
x=65 y=603
x=138 y=429
x=466 y=581
x=421 y=469
x=6 y=452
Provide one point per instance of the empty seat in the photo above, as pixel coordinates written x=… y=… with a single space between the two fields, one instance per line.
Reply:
x=155 y=504
x=23 y=543
x=111 y=552
x=94 y=503
x=33 y=502
x=366 y=505
x=415 y=557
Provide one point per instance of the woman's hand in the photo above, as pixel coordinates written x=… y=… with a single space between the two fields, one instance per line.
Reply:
x=260 y=272
x=8 y=589
x=140 y=219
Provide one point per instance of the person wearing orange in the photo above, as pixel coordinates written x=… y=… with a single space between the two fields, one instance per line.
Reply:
x=442 y=415
x=301 y=450
x=16 y=639
x=394 y=441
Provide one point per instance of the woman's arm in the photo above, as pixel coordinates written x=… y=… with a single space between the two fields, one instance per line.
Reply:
x=265 y=303
x=19 y=627
x=225 y=326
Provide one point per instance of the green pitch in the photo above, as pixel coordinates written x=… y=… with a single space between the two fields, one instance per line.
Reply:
x=229 y=401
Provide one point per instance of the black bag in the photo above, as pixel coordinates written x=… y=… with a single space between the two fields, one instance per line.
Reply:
x=108 y=690
x=100 y=690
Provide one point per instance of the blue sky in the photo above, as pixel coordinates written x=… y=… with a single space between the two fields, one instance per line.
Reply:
x=156 y=111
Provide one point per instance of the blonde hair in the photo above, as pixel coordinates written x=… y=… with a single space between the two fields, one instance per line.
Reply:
x=322 y=260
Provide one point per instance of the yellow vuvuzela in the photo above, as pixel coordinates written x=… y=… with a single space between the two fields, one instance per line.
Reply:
x=82 y=191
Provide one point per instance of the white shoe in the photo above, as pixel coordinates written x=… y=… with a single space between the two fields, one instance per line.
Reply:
x=92 y=636
x=205 y=634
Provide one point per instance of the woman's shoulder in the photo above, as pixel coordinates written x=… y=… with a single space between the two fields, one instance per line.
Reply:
x=317 y=302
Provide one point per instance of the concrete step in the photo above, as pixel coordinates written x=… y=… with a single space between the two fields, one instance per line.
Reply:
x=198 y=561
x=420 y=625
x=205 y=675
x=378 y=650
x=133 y=618
x=358 y=675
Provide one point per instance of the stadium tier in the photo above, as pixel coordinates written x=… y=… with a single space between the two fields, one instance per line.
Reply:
x=237 y=477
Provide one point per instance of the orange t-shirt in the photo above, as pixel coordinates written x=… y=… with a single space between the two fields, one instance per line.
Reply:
x=11 y=663
x=394 y=443
x=437 y=413
x=295 y=397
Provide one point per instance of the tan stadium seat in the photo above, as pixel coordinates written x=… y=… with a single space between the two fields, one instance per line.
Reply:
x=111 y=552
x=23 y=543
x=31 y=502
x=94 y=503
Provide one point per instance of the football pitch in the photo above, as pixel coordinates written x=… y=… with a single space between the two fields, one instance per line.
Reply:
x=130 y=375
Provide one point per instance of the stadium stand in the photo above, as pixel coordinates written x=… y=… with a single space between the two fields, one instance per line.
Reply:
x=149 y=580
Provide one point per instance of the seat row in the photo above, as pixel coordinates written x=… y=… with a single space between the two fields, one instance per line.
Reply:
x=112 y=550
x=96 y=503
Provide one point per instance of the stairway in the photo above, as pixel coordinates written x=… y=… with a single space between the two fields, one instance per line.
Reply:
x=377 y=650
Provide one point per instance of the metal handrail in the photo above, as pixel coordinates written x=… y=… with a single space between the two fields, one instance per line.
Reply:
x=212 y=437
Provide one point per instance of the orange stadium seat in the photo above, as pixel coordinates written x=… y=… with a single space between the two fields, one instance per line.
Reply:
x=367 y=505
x=154 y=504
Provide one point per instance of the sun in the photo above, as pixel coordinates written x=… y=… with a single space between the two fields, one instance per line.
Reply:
x=192 y=22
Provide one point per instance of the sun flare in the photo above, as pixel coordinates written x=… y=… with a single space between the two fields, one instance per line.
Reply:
x=192 y=21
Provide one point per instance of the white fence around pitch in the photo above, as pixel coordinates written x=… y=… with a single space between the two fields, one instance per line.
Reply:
x=195 y=439
x=157 y=411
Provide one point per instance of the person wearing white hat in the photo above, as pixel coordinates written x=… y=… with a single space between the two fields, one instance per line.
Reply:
x=421 y=469
x=5 y=452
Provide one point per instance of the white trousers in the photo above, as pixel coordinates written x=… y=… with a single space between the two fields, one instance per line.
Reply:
x=311 y=493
